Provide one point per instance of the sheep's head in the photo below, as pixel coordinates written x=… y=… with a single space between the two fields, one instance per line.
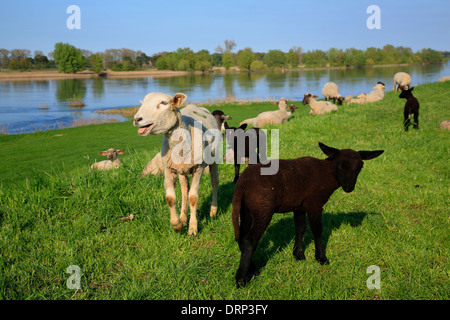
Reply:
x=406 y=93
x=347 y=164
x=111 y=153
x=292 y=108
x=380 y=85
x=307 y=97
x=339 y=101
x=158 y=113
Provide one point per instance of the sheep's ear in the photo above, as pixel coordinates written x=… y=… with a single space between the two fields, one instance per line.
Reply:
x=178 y=100
x=243 y=126
x=226 y=125
x=315 y=97
x=120 y=151
x=411 y=89
x=103 y=153
x=367 y=155
x=329 y=151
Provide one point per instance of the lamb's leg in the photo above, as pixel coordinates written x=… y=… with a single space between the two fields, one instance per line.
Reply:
x=214 y=173
x=184 y=183
x=193 y=198
x=237 y=168
x=416 y=120
x=300 y=226
x=315 y=222
x=248 y=246
x=170 y=180
x=407 y=120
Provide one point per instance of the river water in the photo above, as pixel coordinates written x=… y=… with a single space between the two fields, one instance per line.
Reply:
x=28 y=106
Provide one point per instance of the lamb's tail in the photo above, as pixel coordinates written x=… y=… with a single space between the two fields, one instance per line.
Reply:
x=237 y=204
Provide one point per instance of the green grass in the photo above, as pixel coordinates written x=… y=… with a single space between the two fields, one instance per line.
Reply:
x=55 y=213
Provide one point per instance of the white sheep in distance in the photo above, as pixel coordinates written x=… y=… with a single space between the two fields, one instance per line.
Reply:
x=443 y=79
x=160 y=114
x=271 y=117
x=445 y=125
x=331 y=92
x=375 y=95
x=402 y=80
x=112 y=162
x=318 y=107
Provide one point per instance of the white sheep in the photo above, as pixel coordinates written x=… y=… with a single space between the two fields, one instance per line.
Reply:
x=331 y=92
x=402 y=80
x=318 y=107
x=375 y=95
x=154 y=167
x=113 y=161
x=271 y=117
x=445 y=125
x=443 y=79
x=160 y=114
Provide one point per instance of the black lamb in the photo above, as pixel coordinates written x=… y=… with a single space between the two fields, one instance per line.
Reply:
x=411 y=107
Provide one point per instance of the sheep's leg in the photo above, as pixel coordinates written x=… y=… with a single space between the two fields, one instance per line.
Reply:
x=214 y=174
x=248 y=246
x=237 y=168
x=170 y=180
x=300 y=226
x=193 y=199
x=416 y=120
x=407 y=120
x=315 y=222
x=184 y=183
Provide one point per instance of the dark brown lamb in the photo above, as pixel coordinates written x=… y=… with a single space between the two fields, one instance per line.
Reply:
x=301 y=185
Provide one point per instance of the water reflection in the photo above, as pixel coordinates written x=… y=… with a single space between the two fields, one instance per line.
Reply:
x=45 y=101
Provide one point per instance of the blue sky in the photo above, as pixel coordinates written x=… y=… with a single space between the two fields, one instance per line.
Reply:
x=155 y=26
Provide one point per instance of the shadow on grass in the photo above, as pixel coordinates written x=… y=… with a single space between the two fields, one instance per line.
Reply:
x=281 y=234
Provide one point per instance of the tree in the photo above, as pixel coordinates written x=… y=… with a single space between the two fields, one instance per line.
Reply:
x=275 y=58
x=229 y=45
x=245 y=58
x=96 y=61
x=292 y=58
x=227 y=60
x=68 y=58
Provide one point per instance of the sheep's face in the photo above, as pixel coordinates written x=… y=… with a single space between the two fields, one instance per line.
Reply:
x=379 y=86
x=111 y=154
x=347 y=164
x=406 y=93
x=158 y=113
x=307 y=98
x=339 y=101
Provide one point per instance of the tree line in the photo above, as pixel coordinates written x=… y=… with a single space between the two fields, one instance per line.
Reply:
x=69 y=59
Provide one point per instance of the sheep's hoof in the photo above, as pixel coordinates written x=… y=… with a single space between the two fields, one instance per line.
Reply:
x=299 y=255
x=177 y=226
x=213 y=212
x=323 y=260
x=193 y=231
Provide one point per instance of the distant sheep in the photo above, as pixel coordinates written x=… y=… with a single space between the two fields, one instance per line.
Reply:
x=318 y=107
x=411 y=107
x=331 y=92
x=402 y=81
x=443 y=79
x=271 y=117
x=375 y=95
x=113 y=161
x=301 y=185
x=445 y=125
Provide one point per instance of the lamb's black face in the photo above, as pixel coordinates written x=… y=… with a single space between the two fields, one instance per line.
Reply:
x=347 y=171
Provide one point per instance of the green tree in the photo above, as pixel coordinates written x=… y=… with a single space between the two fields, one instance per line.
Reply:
x=96 y=61
x=245 y=58
x=275 y=59
x=68 y=58
x=227 y=60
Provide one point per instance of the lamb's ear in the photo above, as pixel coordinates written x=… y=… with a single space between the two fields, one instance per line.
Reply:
x=103 y=153
x=225 y=124
x=411 y=89
x=329 y=151
x=243 y=126
x=120 y=151
x=367 y=155
x=315 y=97
x=178 y=100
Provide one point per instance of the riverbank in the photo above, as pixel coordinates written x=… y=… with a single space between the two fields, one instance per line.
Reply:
x=55 y=75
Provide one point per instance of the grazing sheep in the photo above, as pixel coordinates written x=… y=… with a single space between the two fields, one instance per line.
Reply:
x=113 y=161
x=443 y=79
x=220 y=117
x=348 y=98
x=253 y=139
x=331 y=92
x=375 y=95
x=155 y=166
x=445 y=125
x=270 y=117
x=411 y=107
x=160 y=114
x=301 y=185
x=318 y=107
x=402 y=80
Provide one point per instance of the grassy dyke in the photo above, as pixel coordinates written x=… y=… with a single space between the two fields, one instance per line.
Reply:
x=54 y=213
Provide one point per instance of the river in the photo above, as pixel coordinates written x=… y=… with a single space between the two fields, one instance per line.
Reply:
x=28 y=106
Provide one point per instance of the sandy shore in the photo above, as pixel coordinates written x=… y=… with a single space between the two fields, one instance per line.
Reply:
x=53 y=74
